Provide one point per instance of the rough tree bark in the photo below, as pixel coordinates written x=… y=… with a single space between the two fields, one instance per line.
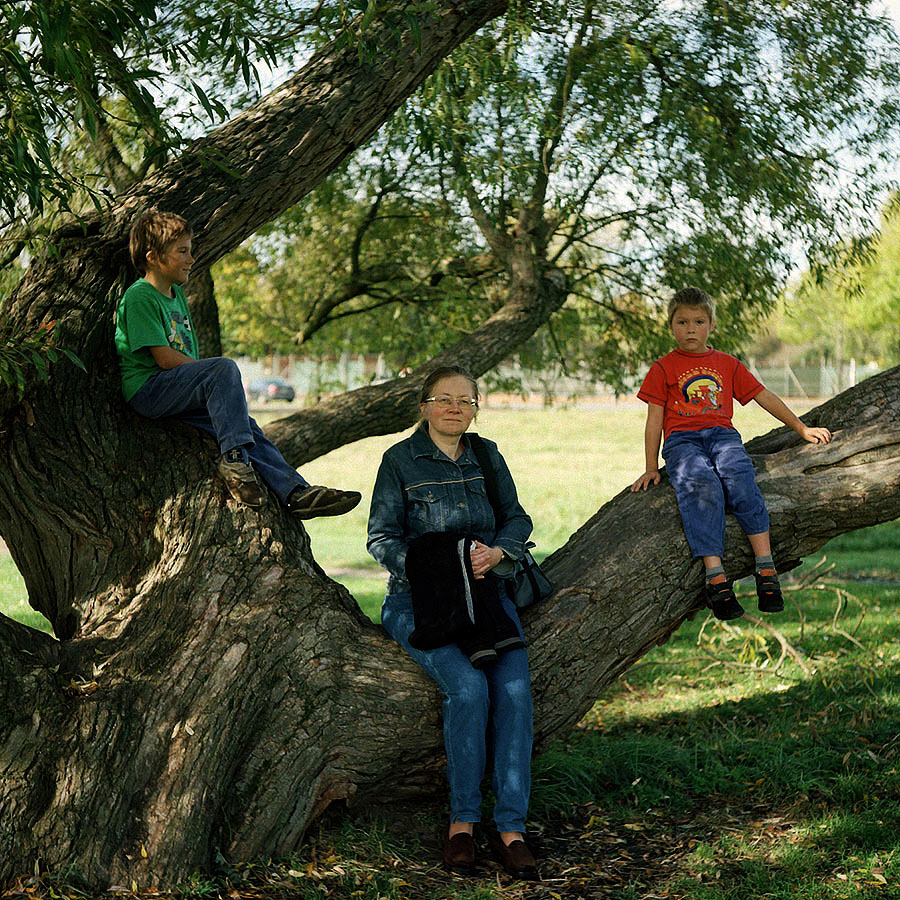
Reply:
x=118 y=525
x=201 y=294
x=218 y=690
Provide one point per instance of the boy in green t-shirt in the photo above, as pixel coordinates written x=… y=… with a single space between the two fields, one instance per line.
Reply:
x=163 y=375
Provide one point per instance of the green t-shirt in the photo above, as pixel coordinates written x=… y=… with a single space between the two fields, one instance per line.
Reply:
x=148 y=318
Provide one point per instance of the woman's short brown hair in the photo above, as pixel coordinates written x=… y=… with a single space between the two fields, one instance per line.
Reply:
x=157 y=231
x=435 y=376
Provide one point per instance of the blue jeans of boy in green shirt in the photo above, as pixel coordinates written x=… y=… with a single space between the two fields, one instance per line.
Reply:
x=209 y=394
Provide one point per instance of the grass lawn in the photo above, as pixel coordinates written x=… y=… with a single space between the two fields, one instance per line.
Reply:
x=704 y=774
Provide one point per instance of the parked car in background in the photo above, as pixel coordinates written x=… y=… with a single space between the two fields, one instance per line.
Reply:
x=271 y=387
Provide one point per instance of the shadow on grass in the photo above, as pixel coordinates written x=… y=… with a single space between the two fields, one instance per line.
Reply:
x=785 y=793
x=689 y=780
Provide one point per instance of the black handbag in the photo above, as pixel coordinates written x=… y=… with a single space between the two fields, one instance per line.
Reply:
x=528 y=583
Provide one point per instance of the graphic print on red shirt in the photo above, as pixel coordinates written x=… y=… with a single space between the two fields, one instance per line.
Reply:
x=697 y=390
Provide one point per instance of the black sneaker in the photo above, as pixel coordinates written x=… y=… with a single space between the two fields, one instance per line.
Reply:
x=721 y=600
x=768 y=593
x=316 y=500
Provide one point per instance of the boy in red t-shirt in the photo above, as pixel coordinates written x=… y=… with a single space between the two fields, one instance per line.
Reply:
x=689 y=395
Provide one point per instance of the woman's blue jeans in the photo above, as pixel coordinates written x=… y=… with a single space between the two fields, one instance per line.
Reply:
x=711 y=472
x=209 y=394
x=497 y=697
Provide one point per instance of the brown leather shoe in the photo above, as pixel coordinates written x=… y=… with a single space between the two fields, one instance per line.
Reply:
x=459 y=853
x=241 y=481
x=517 y=859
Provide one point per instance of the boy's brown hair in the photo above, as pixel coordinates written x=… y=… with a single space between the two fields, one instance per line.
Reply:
x=157 y=231
x=693 y=297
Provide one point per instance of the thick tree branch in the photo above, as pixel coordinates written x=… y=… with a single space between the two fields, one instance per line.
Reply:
x=201 y=293
x=643 y=584
x=259 y=703
x=267 y=158
x=391 y=406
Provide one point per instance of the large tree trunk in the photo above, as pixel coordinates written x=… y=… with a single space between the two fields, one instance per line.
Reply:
x=199 y=734
x=201 y=294
x=223 y=691
x=212 y=688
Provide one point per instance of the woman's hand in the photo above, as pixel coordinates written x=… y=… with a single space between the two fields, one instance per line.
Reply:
x=484 y=558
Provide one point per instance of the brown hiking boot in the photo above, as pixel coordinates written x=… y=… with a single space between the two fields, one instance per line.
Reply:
x=316 y=500
x=241 y=481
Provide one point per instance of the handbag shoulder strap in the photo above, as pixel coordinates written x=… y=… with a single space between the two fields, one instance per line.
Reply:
x=479 y=448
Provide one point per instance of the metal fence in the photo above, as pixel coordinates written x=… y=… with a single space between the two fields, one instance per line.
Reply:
x=823 y=380
x=316 y=378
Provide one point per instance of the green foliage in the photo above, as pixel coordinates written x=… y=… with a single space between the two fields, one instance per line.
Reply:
x=360 y=264
x=97 y=93
x=62 y=62
x=640 y=147
x=852 y=308
x=35 y=352
x=53 y=54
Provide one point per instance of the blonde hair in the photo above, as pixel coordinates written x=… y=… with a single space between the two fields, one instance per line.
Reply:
x=156 y=231
x=695 y=298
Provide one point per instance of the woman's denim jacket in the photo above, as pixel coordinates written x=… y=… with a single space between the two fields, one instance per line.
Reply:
x=420 y=489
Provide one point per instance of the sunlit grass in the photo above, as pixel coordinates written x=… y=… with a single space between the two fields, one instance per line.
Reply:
x=14 y=596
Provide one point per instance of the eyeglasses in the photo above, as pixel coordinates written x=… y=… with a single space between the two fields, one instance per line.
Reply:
x=446 y=402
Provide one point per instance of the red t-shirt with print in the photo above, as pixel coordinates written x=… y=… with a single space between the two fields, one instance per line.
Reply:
x=697 y=390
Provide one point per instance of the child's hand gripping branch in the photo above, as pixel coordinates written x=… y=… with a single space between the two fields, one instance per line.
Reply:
x=689 y=395
x=775 y=406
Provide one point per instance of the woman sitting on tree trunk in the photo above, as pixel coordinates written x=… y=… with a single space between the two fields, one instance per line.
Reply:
x=433 y=528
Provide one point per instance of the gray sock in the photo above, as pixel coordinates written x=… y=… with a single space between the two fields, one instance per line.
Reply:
x=713 y=571
x=764 y=562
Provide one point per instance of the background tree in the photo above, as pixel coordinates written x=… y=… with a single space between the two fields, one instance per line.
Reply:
x=851 y=310
x=211 y=690
x=628 y=147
